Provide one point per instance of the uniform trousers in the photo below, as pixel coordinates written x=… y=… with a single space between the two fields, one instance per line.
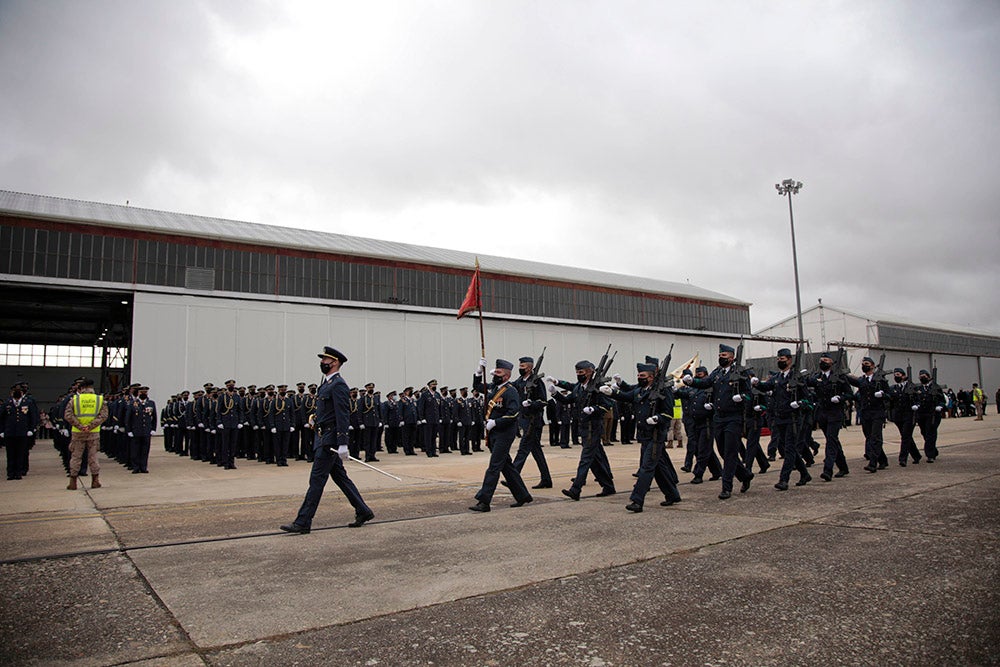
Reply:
x=531 y=443
x=500 y=463
x=872 y=428
x=907 y=445
x=704 y=454
x=928 y=424
x=17 y=453
x=728 y=438
x=327 y=465
x=593 y=457
x=654 y=463
x=833 y=454
x=139 y=456
x=787 y=443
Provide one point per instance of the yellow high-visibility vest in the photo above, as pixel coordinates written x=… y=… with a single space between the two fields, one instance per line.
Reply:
x=86 y=407
x=678 y=411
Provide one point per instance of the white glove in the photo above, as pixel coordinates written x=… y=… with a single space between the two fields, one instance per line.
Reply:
x=199 y=426
x=221 y=427
x=379 y=425
x=914 y=407
x=459 y=424
x=616 y=378
x=936 y=409
x=622 y=420
x=129 y=434
x=30 y=433
x=350 y=428
x=115 y=429
x=652 y=421
x=291 y=429
x=422 y=421
x=550 y=380
x=879 y=394
x=835 y=399
x=65 y=433
x=754 y=380
x=737 y=398
x=709 y=406
x=191 y=428
x=343 y=453
x=2 y=435
x=274 y=430
x=588 y=410
x=794 y=405
x=490 y=423
x=402 y=423
x=152 y=433
x=525 y=404
x=239 y=426
x=605 y=389
x=212 y=431
x=255 y=427
x=362 y=427
x=758 y=408
x=687 y=380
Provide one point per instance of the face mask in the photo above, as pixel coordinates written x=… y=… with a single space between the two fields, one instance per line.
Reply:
x=866 y=367
x=899 y=379
x=924 y=380
x=724 y=361
x=143 y=396
x=497 y=380
x=581 y=377
x=825 y=365
x=643 y=382
x=782 y=364
x=525 y=372
x=16 y=394
x=325 y=367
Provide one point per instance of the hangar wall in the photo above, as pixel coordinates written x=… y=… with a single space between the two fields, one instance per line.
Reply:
x=182 y=341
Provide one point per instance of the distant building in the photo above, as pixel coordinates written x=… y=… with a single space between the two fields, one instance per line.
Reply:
x=174 y=300
x=961 y=355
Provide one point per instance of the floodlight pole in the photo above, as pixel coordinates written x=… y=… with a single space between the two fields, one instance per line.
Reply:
x=789 y=187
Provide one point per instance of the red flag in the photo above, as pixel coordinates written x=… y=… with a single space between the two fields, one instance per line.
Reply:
x=473 y=297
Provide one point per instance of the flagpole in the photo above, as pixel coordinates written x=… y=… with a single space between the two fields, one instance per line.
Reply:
x=479 y=300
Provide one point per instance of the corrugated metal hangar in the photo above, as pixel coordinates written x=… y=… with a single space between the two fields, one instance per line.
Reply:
x=961 y=355
x=175 y=300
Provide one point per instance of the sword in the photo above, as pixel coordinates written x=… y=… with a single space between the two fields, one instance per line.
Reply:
x=368 y=465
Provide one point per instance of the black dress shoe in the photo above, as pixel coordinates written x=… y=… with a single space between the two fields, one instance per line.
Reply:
x=715 y=478
x=930 y=459
x=480 y=507
x=781 y=486
x=883 y=466
x=503 y=482
x=770 y=458
x=746 y=484
x=825 y=476
x=519 y=503
x=635 y=474
x=685 y=469
x=135 y=471
x=697 y=480
x=371 y=460
x=902 y=464
x=295 y=528
x=871 y=468
x=542 y=485
x=571 y=493
x=916 y=461
x=764 y=469
x=804 y=480
x=841 y=473
x=361 y=519
x=606 y=492
x=725 y=495
x=668 y=503
x=634 y=507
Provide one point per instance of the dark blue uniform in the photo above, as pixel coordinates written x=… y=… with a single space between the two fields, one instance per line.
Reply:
x=230 y=415
x=902 y=399
x=830 y=418
x=332 y=420
x=503 y=407
x=701 y=451
x=727 y=421
x=786 y=421
x=871 y=410
x=593 y=457
x=140 y=422
x=531 y=423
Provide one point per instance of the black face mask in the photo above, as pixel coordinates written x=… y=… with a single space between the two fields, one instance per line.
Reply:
x=899 y=379
x=866 y=367
x=643 y=382
x=924 y=380
x=825 y=365
x=724 y=361
x=497 y=380
x=581 y=377
x=325 y=367
x=525 y=372
x=144 y=396
x=15 y=394
x=782 y=364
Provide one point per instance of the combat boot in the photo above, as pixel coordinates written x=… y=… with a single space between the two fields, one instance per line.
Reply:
x=72 y=483
x=95 y=482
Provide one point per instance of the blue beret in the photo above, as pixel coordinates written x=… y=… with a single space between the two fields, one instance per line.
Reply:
x=899 y=370
x=869 y=359
x=526 y=360
x=580 y=365
x=333 y=354
x=687 y=371
x=652 y=360
x=504 y=364
x=646 y=368
x=784 y=352
x=923 y=372
x=701 y=369
x=726 y=348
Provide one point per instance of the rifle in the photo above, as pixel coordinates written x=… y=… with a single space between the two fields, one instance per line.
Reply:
x=794 y=384
x=535 y=378
x=879 y=373
x=739 y=371
x=600 y=374
x=660 y=381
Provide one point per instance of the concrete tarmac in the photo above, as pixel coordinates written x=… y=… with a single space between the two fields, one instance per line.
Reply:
x=186 y=566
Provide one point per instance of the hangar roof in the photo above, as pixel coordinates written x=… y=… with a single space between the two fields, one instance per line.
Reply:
x=181 y=224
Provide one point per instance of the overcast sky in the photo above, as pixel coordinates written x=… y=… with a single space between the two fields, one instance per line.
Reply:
x=635 y=137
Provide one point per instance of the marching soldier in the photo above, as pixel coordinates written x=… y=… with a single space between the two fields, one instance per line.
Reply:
x=331 y=447
x=533 y=397
x=590 y=406
x=832 y=392
x=728 y=391
x=901 y=399
x=701 y=438
x=784 y=405
x=928 y=407
x=872 y=398
x=502 y=411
